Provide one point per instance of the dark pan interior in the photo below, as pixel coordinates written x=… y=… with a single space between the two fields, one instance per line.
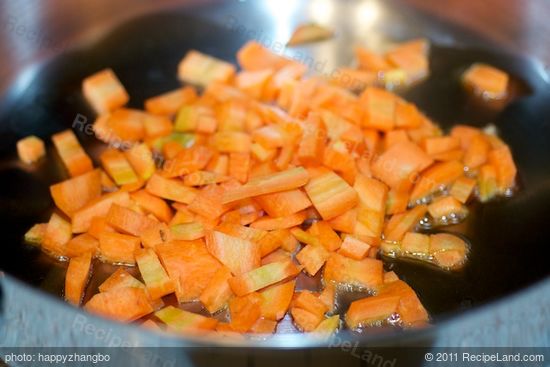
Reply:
x=508 y=237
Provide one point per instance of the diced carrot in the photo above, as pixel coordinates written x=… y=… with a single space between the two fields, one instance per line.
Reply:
x=152 y=204
x=35 y=235
x=187 y=161
x=120 y=279
x=127 y=125
x=189 y=265
x=77 y=276
x=284 y=203
x=312 y=144
x=156 y=234
x=313 y=257
x=121 y=304
x=99 y=207
x=345 y=222
x=369 y=60
x=170 y=102
x=305 y=320
x=117 y=167
x=367 y=273
x=449 y=251
x=181 y=320
x=416 y=244
x=253 y=82
x=354 y=248
x=394 y=137
x=82 y=244
x=276 y=300
x=127 y=220
x=201 y=69
x=30 y=149
x=451 y=155
x=407 y=115
x=327 y=327
x=72 y=194
x=410 y=308
x=328 y=296
x=57 y=236
x=268 y=223
x=440 y=175
x=156 y=280
x=217 y=292
x=141 y=160
x=239 y=255
x=309 y=302
x=288 y=241
x=390 y=276
x=477 y=152
x=331 y=195
x=440 y=144
x=187 y=231
x=396 y=165
x=254 y=56
x=170 y=189
x=156 y=127
x=501 y=159
x=118 y=248
x=208 y=202
x=379 y=109
x=413 y=63
x=371 y=309
x=486 y=80
x=244 y=312
x=399 y=224
x=326 y=235
x=465 y=134
x=487 y=182
x=280 y=181
x=98 y=225
x=262 y=277
x=104 y=91
x=264 y=326
x=446 y=206
x=73 y=156
x=239 y=166
x=462 y=188
x=397 y=201
x=151 y=325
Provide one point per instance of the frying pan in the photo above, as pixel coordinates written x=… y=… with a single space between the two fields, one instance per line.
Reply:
x=506 y=277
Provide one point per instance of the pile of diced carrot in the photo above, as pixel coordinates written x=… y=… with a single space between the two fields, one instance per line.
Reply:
x=225 y=197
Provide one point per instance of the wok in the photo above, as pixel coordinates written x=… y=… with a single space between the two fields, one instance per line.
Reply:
x=506 y=277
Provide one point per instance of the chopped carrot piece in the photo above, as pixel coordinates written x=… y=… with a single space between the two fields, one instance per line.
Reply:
x=313 y=257
x=331 y=195
x=72 y=154
x=121 y=304
x=445 y=207
x=440 y=144
x=141 y=160
x=127 y=220
x=462 y=188
x=181 y=320
x=232 y=142
x=254 y=56
x=411 y=61
x=477 y=152
x=487 y=182
x=82 y=244
x=288 y=242
x=379 y=109
x=187 y=231
x=326 y=235
x=201 y=69
x=127 y=125
x=305 y=320
x=35 y=235
x=276 y=300
x=407 y=115
x=57 y=236
x=397 y=164
x=76 y=278
x=72 y=194
x=254 y=82
x=309 y=32
x=99 y=207
x=394 y=137
x=280 y=181
x=465 y=134
x=244 y=312
x=354 y=248
x=397 y=201
x=371 y=309
x=501 y=159
x=345 y=222
x=117 y=167
x=486 y=80
x=410 y=308
x=390 y=276
x=207 y=202
x=156 y=234
x=312 y=144
x=104 y=91
x=216 y=294
x=98 y=225
x=309 y=302
x=118 y=248
x=187 y=161
x=367 y=273
x=239 y=255
x=170 y=102
x=289 y=221
x=399 y=224
x=284 y=203
x=120 y=279
x=327 y=327
x=189 y=265
x=239 y=166
x=170 y=189
x=264 y=326
x=328 y=296
x=369 y=60
x=30 y=149
x=152 y=204
x=416 y=244
x=441 y=243
x=440 y=175
x=262 y=277
x=156 y=280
